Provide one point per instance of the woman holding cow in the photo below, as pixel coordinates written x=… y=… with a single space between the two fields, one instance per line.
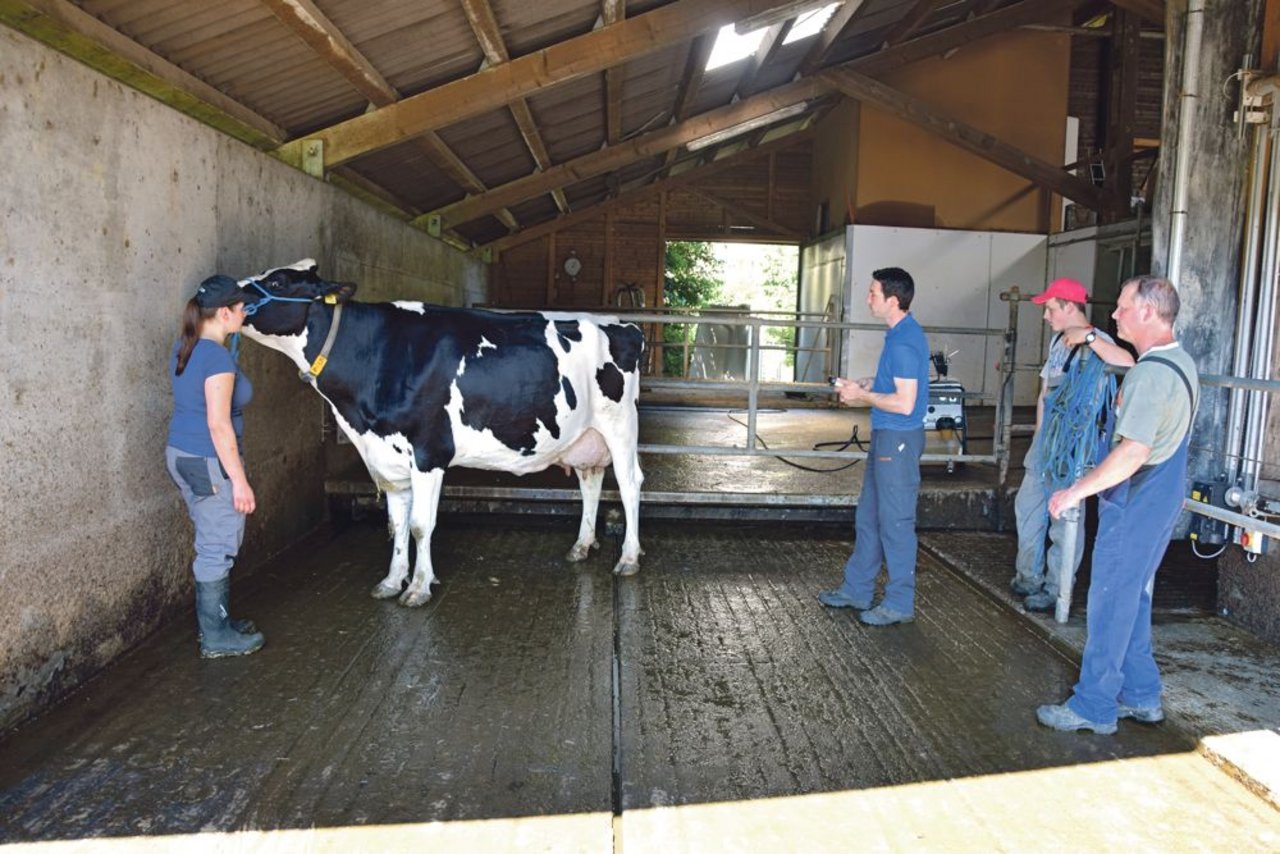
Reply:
x=203 y=457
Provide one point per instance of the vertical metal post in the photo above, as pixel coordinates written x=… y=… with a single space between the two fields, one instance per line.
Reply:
x=1067 y=555
x=1003 y=430
x=1254 y=219
x=753 y=381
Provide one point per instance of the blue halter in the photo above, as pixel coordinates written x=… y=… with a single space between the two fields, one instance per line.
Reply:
x=251 y=310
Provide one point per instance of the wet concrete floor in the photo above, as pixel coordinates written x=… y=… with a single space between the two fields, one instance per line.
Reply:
x=708 y=703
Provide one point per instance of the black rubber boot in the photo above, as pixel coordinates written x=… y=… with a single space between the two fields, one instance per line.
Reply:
x=217 y=636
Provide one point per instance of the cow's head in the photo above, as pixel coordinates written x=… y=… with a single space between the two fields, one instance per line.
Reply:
x=277 y=301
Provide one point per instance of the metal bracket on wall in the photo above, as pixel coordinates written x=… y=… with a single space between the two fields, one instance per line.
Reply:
x=435 y=225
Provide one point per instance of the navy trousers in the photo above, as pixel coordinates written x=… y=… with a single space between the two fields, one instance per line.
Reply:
x=885 y=525
x=1135 y=521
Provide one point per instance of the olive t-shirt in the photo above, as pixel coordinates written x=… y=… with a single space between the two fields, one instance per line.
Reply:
x=1154 y=407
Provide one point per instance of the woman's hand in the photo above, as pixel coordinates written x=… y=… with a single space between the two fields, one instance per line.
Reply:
x=242 y=497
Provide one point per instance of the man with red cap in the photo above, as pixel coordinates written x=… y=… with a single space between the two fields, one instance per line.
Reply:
x=1074 y=339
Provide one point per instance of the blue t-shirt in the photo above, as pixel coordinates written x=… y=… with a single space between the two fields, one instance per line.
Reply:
x=189 y=426
x=905 y=355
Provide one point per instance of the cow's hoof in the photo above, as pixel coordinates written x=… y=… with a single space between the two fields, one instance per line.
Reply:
x=415 y=599
x=625 y=569
x=382 y=591
x=580 y=552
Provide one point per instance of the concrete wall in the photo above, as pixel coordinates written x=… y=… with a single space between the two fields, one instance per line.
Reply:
x=114 y=207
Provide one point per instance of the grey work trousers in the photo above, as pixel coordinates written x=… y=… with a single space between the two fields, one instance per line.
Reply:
x=207 y=493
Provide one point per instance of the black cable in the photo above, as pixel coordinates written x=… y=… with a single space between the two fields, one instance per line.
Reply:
x=852 y=440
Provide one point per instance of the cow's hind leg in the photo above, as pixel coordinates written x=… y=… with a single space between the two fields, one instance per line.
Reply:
x=590 y=481
x=626 y=468
x=399 y=504
x=422 y=521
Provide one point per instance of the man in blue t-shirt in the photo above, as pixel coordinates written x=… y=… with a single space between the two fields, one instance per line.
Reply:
x=898 y=395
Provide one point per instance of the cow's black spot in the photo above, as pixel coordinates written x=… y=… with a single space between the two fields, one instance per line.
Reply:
x=609 y=378
x=570 y=398
x=626 y=345
x=510 y=388
x=566 y=331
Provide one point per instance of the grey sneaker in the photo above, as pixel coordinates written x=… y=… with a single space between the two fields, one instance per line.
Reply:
x=882 y=616
x=1040 y=601
x=1063 y=719
x=1023 y=587
x=1141 y=714
x=840 y=599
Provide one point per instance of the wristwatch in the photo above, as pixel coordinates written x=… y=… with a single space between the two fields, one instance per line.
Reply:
x=1090 y=336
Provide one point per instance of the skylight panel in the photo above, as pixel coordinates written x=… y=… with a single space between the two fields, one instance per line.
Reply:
x=810 y=23
x=731 y=47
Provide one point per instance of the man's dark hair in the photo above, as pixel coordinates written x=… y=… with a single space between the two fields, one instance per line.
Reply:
x=896 y=282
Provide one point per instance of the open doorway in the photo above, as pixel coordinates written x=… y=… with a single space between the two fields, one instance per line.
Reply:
x=730 y=279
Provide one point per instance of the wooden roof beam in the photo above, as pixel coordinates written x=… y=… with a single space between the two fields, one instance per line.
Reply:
x=1150 y=10
x=695 y=68
x=485 y=26
x=742 y=213
x=627 y=197
x=326 y=40
x=836 y=25
x=611 y=12
x=956 y=132
x=651 y=144
x=911 y=21
x=960 y=35
x=499 y=85
x=769 y=45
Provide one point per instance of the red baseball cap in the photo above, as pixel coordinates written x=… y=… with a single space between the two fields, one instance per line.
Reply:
x=1067 y=289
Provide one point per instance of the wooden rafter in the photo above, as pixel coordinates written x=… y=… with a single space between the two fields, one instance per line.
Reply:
x=68 y=28
x=838 y=22
x=630 y=196
x=1150 y=10
x=499 y=85
x=324 y=37
x=975 y=141
x=485 y=26
x=648 y=145
x=960 y=35
x=911 y=22
x=768 y=48
x=694 y=68
x=611 y=12
x=743 y=213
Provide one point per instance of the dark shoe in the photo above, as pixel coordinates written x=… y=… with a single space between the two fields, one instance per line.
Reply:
x=217 y=636
x=882 y=616
x=839 y=599
x=1141 y=714
x=1063 y=719
x=1022 y=587
x=1040 y=601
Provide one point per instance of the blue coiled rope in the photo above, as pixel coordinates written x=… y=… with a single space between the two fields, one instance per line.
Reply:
x=1074 y=429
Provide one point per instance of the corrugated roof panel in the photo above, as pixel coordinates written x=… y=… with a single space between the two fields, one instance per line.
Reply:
x=414 y=45
x=494 y=149
x=527 y=27
x=571 y=117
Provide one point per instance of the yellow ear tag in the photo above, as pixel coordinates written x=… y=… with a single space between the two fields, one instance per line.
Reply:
x=331 y=299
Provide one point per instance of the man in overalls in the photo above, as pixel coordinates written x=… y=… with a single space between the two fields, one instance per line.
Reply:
x=1140 y=487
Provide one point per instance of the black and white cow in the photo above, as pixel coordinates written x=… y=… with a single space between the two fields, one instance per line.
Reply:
x=419 y=388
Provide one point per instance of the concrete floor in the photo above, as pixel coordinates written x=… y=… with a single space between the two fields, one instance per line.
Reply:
x=708 y=703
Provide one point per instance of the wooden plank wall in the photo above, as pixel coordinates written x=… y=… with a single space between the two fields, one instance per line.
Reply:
x=627 y=244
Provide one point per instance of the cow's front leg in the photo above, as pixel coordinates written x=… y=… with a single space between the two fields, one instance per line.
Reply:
x=399 y=503
x=590 y=481
x=426 y=488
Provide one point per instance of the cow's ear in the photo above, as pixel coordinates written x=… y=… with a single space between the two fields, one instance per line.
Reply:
x=343 y=292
